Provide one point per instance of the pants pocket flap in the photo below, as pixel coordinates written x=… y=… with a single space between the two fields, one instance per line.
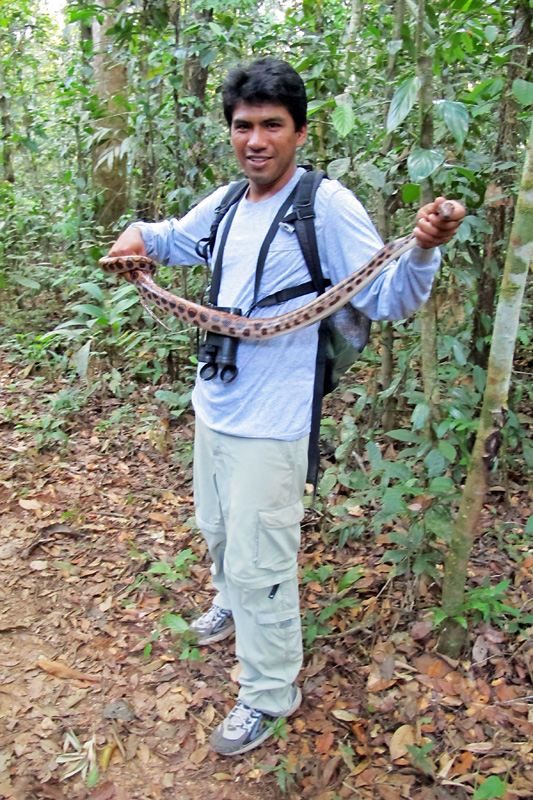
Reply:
x=283 y=517
x=270 y=618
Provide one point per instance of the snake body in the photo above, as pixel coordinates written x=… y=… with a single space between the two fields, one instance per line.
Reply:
x=142 y=269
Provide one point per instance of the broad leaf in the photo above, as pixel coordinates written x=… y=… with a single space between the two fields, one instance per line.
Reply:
x=435 y=463
x=523 y=91
x=349 y=578
x=29 y=283
x=491 y=788
x=404 y=436
x=456 y=118
x=402 y=102
x=339 y=167
x=423 y=163
x=343 y=119
x=491 y=33
x=448 y=450
x=94 y=290
x=372 y=175
x=174 y=623
x=81 y=359
x=419 y=416
x=410 y=192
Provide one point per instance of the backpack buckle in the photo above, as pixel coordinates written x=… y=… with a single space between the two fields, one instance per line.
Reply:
x=305 y=212
x=286 y=226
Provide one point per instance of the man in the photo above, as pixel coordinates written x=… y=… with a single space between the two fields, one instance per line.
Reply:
x=252 y=434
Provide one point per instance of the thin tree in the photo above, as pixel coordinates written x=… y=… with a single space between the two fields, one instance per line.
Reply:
x=428 y=314
x=493 y=411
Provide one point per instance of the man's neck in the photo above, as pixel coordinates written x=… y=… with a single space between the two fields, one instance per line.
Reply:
x=259 y=192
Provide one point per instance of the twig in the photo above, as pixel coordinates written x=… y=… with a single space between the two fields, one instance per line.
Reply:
x=363 y=625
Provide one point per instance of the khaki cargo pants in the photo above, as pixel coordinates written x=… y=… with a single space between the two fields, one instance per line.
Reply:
x=248 y=499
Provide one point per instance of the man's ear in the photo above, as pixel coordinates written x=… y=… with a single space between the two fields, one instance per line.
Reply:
x=301 y=135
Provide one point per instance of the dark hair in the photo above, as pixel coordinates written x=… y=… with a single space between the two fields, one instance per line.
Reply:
x=267 y=80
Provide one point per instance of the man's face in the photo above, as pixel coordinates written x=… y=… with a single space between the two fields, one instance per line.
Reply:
x=265 y=141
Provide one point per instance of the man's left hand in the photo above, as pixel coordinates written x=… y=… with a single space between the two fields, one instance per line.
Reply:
x=432 y=229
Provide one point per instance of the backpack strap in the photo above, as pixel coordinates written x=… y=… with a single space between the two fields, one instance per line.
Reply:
x=204 y=248
x=303 y=220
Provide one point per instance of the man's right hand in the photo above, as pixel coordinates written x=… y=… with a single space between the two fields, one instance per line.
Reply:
x=129 y=243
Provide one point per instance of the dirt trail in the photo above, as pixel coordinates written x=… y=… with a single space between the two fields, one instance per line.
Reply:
x=83 y=649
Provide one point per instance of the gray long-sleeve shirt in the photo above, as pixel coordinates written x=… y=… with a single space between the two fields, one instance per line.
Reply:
x=272 y=395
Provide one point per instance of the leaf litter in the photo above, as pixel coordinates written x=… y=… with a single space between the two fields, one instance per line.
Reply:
x=94 y=685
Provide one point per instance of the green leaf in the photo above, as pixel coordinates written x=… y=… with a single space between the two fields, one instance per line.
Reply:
x=410 y=192
x=89 y=309
x=160 y=568
x=491 y=33
x=480 y=378
x=402 y=102
x=94 y=290
x=419 y=416
x=404 y=436
x=458 y=353
x=422 y=163
x=172 y=399
x=174 y=623
x=124 y=304
x=92 y=778
x=372 y=175
x=523 y=91
x=490 y=788
x=207 y=57
x=438 y=616
x=343 y=119
x=29 y=283
x=81 y=359
x=456 y=118
x=435 y=463
x=529 y=525
x=374 y=455
x=448 y=450
x=349 y=578
x=339 y=167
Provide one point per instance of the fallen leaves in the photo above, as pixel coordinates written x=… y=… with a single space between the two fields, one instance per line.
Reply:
x=324 y=743
x=60 y=670
x=401 y=739
x=371 y=691
x=172 y=707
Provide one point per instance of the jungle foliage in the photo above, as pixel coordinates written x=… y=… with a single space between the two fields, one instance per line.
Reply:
x=112 y=113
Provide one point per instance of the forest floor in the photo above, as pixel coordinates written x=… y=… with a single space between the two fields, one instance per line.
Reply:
x=84 y=647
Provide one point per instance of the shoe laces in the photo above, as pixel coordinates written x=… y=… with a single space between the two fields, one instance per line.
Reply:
x=242 y=716
x=216 y=614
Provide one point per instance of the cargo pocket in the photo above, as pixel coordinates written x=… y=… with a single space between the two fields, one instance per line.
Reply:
x=279 y=537
x=281 y=637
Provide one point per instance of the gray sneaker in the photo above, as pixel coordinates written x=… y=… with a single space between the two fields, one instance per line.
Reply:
x=214 y=625
x=245 y=728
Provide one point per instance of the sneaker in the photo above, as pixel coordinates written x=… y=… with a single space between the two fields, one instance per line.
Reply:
x=214 y=625
x=245 y=728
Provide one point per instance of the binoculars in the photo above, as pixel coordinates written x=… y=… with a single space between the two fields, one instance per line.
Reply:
x=219 y=352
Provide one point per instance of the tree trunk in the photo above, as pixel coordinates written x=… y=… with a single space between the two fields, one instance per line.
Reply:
x=428 y=314
x=500 y=211
x=493 y=411
x=109 y=173
x=7 y=130
x=352 y=30
x=387 y=334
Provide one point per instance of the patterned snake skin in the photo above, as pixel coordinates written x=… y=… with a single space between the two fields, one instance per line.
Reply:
x=142 y=269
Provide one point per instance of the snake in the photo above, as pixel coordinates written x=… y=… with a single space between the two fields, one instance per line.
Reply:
x=142 y=269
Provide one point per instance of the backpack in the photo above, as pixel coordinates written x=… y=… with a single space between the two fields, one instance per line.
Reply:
x=342 y=337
